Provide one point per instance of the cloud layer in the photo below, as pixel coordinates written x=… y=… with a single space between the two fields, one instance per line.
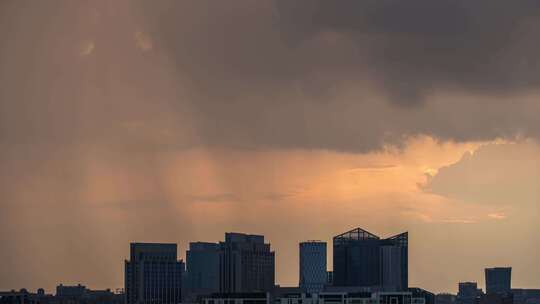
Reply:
x=347 y=75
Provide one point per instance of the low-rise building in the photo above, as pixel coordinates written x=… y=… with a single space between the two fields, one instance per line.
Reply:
x=237 y=298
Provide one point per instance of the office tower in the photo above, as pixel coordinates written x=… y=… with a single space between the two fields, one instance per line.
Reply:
x=246 y=264
x=363 y=259
x=313 y=275
x=468 y=293
x=202 y=267
x=153 y=274
x=498 y=280
x=395 y=262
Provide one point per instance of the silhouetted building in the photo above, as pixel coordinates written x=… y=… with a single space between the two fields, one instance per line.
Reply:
x=18 y=297
x=495 y=298
x=76 y=291
x=313 y=273
x=526 y=296
x=419 y=293
x=468 y=292
x=202 y=268
x=498 y=280
x=400 y=297
x=363 y=259
x=153 y=274
x=246 y=264
x=77 y=294
x=237 y=298
x=445 y=298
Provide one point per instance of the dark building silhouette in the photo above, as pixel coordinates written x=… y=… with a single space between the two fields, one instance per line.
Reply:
x=312 y=262
x=498 y=280
x=468 y=293
x=526 y=296
x=246 y=264
x=67 y=291
x=420 y=293
x=363 y=259
x=153 y=274
x=202 y=268
x=76 y=294
x=496 y=298
x=445 y=298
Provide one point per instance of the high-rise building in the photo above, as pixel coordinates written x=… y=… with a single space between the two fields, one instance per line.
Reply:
x=153 y=274
x=246 y=264
x=468 y=293
x=313 y=274
x=202 y=268
x=363 y=259
x=498 y=280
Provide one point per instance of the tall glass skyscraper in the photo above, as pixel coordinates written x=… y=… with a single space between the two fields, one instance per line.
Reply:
x=246 y=264
x=153 y=274
x=202 y=267
x=363 y=259
x=313 y=273
x=498 y=280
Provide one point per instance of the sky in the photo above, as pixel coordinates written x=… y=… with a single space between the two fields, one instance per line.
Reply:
x=175 y=121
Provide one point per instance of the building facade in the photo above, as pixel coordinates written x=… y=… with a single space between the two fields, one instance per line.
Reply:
x=237 y=298
x=496 y=298
x=246 y=264
x=498 y=280
x=351 y=298
x=468 y=292
x=445 y=298
x=202 y=268
x=153 y=274
x=526 y=296
x=312 y=272
x=363 y=259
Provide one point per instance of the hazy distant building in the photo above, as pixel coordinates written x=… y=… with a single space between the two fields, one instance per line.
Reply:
x=246 y=264
x=468 y=293
x=363 y=259
x=498 y=280
x=313 y=274
x=202 y=268
x=153 y=274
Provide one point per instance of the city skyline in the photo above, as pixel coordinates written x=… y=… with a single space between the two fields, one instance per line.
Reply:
x=175 y=121
x=199 y=245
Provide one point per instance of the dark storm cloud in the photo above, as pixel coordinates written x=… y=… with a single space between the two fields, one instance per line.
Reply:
x=273 y=73
x=419 y=44
x=339 y=75
x=409 y=47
